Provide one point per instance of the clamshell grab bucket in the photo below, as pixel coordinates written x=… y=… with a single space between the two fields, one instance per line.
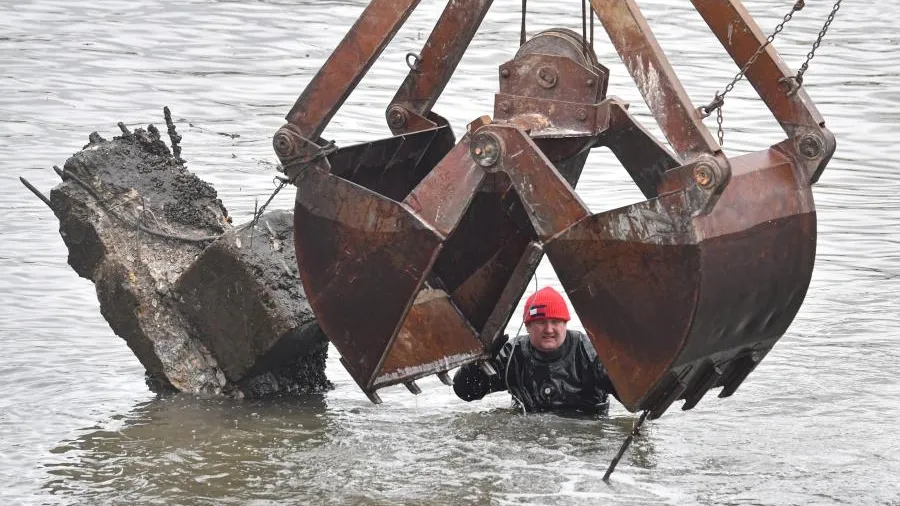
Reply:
x=414 y=250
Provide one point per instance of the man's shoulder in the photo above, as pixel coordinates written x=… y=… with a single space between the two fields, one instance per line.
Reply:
x=515 y=343
x=511 y=345
x=518 y=340
x=583 y=343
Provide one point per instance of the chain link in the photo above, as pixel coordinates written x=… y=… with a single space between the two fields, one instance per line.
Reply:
x=719 y=100
x=797 y=81
x=720 y=131
x=322 y=152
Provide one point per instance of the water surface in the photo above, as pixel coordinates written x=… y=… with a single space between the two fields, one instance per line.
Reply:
x=814 y=424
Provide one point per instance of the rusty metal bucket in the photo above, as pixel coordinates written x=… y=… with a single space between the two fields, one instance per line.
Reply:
x=677 y=304
x=413 y=267
x=399 y=295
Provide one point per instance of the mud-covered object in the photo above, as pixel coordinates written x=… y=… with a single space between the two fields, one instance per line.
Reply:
x=139 y=225
x=570 y=378
x=243 y=295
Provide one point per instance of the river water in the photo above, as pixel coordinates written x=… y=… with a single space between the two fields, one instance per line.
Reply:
x=814 y=424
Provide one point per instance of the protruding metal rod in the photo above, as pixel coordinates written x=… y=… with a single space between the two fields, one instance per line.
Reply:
x=36 y=192
x=625 y=445
x=522 y=31
x=253 y=223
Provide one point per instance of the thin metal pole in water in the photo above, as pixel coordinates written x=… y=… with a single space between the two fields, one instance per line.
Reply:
x=625 y=445
x=255 y=219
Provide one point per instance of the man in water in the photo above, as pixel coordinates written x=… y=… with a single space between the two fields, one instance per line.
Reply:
x=549 y=369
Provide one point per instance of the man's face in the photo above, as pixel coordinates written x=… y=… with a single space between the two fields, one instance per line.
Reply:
x=546 y=335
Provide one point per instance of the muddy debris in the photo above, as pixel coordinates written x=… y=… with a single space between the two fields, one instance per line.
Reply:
x=207 y=307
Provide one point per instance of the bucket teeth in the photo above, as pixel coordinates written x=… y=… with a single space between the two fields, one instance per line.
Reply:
x=738 y=371
x=706 y=378
x=413 y=387
x=373 y=397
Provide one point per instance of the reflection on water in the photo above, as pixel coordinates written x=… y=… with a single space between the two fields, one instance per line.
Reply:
x=814 y=424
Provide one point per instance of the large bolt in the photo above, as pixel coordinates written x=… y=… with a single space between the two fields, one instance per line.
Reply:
x=581 y=114
x=485 y=149
x=397 y=117
x=546 y=77
x=705 y=176
x=504 y=72
x=810 y=146
x=283 y=143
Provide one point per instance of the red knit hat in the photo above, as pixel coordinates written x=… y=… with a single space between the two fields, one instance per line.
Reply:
x=546 y=304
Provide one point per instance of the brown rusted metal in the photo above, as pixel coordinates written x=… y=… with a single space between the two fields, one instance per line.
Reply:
x=795 y=112
x=394 y=166
x=463 y=250
x=554 y=89
x=445 y=194
x=551 y=203
x=411 y=356
x=660 y=290
x=664 y=260
x=438 y=60
x=645 y=158
x=510 y=295
x=413 y=251
x=665 y=96
x=347 y=65
x=545 y=119
x=358 y=245
x=341 y=239
x=655 y=78
x=528 y=75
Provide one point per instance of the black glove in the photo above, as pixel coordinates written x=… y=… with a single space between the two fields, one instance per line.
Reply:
x=498 y=345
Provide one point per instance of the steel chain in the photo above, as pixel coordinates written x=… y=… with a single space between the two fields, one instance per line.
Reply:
x=719 y=100
x=797 y=81
x=322 y=152
x=720 y=131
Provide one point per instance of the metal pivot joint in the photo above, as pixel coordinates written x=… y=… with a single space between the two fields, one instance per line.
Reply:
x=485 y=148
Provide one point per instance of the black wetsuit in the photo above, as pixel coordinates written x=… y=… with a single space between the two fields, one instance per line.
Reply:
x=570 y=378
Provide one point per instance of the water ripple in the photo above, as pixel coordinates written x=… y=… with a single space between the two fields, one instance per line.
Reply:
x=813 y=425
